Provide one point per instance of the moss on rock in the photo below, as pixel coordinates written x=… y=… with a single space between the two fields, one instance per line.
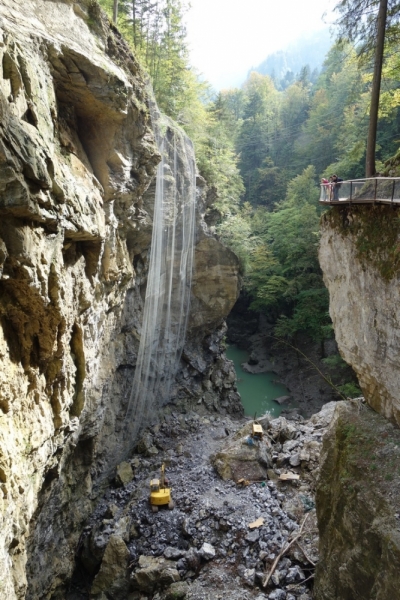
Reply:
x=376 y=233
x=357 y=503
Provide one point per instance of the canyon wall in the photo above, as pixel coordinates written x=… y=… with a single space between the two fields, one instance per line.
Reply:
x=77 y=157
x=359 y=256
x=358 y=507
x=358 y=488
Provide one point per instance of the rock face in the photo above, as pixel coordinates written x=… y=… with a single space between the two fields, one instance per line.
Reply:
x=77 y=155
x=358 y=507
x=358 y=488
x=358 y=256
x=215 y=284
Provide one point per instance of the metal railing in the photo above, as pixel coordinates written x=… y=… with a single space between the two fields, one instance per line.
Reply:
x=385 y=190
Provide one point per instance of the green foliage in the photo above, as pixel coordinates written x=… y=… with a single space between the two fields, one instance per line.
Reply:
x=216 y=157
x=334 y=362
x=337 y=116
x=264 y=149
x=340 y=372
x=156 y=32
x=235 y=232
x=350 y=390
x=269 y=121
x=279 y=255
x=265 y=288
x=279 y=135
x=309 y=316
x=270 y=183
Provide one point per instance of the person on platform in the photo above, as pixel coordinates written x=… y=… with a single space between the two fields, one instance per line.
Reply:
x=326 y=189
x=336 y=183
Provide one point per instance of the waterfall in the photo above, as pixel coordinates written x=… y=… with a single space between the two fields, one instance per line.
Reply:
x=167 y=300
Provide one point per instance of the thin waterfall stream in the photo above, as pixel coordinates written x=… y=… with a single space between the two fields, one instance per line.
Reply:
x=167 y=299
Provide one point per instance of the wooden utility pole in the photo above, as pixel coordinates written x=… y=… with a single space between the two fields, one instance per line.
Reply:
x=115 y=12
x=376 y=88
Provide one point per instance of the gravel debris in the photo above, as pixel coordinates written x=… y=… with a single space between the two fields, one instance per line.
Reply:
x=204 y=548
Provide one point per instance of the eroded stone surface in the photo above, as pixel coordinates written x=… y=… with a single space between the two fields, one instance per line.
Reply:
x=364 y=308
x=112 y=576
x=358 y=507
x=77 y=155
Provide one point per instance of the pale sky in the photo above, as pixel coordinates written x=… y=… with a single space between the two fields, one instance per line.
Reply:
x=228 y=37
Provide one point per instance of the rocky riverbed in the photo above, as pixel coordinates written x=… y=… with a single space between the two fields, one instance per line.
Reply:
x=223 y=538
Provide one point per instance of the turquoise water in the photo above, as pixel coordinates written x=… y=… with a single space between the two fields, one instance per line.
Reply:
x=257 y=390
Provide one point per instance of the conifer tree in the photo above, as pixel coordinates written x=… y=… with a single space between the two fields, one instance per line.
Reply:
x=368 y=22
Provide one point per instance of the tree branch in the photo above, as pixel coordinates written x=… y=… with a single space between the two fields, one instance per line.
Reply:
x=284 y=550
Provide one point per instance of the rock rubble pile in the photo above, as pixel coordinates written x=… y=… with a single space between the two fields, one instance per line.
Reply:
x=222 y=539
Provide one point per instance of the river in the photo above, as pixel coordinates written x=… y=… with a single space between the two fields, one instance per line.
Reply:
x=257 y=390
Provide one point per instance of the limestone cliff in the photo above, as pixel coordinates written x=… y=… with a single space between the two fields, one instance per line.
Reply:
x=359 y=256
x=77 y=156
x=358 y=507
x=357 y=496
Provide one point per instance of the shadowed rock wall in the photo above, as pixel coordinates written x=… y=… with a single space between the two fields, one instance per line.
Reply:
x=358 y=507
x=77 y=155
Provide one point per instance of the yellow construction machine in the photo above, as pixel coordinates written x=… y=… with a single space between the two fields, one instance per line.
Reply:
x=257 y=431
x=160 y=493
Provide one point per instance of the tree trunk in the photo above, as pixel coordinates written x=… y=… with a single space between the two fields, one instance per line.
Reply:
x=134 y=23
x=115 y=12
x=376 y=88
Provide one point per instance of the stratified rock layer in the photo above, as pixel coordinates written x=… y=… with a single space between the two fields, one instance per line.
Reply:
x=77 y=155
x=359 y=260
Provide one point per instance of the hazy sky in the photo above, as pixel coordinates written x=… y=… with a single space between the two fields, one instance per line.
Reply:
x=228 y=37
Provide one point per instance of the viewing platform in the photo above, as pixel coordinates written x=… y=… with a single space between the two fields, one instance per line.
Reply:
x=374 y=190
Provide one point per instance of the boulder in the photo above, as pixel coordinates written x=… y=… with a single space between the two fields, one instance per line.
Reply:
x=113 y=576
x=277 y=594
x=253 y=536
x=243 y=457
x=215 y=286
x=124 y=474
x=177 y=591
x=282 y=399
x=281 y=430
x=145 y=444
x=173 y=553
x=207 y=551
x=154 y=572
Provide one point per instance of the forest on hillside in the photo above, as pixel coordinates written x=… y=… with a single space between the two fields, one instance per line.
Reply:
x=283 y=65
x=264 y=147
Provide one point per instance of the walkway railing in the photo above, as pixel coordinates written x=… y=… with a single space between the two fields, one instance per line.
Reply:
x=384 y=190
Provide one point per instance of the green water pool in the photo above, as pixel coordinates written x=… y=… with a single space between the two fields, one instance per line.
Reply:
x=257 y=390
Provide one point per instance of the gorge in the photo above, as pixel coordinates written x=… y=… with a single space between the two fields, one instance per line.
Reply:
x=112 y=354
